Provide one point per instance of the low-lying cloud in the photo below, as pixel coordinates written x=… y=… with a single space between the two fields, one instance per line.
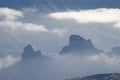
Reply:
x=60 y=67
x=101 y=15
x=7 y=61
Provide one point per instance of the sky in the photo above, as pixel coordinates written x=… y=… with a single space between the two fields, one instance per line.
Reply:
x=48 y=29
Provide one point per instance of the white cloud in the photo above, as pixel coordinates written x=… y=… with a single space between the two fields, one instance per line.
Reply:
x=14 y=25
x=7 y=61
x=59 y=32
x=114 y=59
x=10 y=14
x=101 y=15
x=10 y=20
x=34 y=27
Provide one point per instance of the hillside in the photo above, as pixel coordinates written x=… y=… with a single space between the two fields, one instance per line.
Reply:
x=112 y=76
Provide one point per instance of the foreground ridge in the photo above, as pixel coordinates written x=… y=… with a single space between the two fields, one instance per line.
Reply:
x=110 y=76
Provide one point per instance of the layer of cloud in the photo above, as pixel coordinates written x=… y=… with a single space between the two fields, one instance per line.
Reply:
x=7 y=61
x=10 y=19
x=60 y=67
x=59 y=32
x=101 y=15
x=14 y=25
x=10 y=14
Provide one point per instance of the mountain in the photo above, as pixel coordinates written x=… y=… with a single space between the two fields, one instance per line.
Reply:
x=29 y=53
x=115 y=50
x=77 y=44
x=60 y=5
x=112 y=76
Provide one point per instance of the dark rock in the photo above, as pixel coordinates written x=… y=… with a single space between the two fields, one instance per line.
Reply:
x=29 y=53
x=77 y=44
x=111 y=76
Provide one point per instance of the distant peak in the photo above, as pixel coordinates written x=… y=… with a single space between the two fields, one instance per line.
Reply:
x=29 y=53
x=76 y=39
x=78 y=44
x=28 y=47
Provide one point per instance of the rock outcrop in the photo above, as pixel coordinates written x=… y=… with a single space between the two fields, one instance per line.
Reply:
x=29 y=53
x=77 y=44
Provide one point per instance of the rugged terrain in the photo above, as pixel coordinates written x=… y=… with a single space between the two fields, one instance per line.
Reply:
x=111 y=76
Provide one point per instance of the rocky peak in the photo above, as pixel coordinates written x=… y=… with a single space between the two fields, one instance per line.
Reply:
x=28 y=48
x=78 y=44
x=76 y=40
x=29 y=53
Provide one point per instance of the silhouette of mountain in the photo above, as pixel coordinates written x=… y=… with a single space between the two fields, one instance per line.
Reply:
x=77 y=44
x=29 y=53
x=112 y=76
x=115 y=50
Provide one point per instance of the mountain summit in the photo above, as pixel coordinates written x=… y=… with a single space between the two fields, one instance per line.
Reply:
x=29 y=53
x=77 y=44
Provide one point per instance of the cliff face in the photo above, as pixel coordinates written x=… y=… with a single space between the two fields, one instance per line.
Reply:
x=112 y=76
x=77 y=44
x=29 y=53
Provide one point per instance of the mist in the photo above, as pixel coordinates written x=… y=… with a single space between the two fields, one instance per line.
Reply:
x=60 y=67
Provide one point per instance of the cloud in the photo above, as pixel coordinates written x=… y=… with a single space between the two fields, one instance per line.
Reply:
x=7 y=61
x=10 y=20
x=34 y=27
x=112 y=60
x=14 y=25
x=60 y=67
x=10 y=14
x=101 y=15
x=59 y=32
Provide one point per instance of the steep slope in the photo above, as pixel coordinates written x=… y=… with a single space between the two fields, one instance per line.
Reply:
x=112 y=76
x=77 y=44
x=29 y=53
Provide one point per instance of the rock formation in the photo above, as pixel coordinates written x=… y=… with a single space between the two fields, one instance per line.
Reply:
x=29 y=53
x=77 y=44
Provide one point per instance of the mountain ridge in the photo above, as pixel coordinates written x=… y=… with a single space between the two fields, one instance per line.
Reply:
x=106 y=76
x=78 y=44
